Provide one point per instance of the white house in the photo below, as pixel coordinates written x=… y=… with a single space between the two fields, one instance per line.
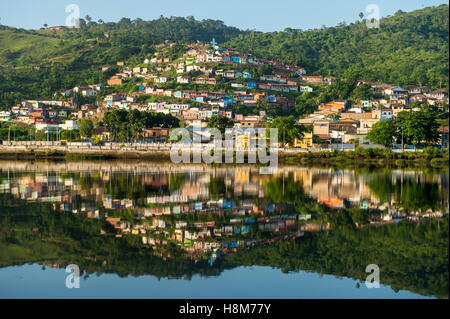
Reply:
x=69 y=125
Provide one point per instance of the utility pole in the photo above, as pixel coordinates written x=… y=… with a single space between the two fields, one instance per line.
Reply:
x=403 y=144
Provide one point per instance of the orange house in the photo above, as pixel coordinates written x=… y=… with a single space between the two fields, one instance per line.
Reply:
x=334 y=106
x=115 y=81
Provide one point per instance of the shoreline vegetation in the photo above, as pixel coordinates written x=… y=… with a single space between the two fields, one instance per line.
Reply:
x=359 y=157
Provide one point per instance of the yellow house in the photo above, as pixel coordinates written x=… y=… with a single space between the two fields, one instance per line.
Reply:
x=305 y=142
x=242 y=141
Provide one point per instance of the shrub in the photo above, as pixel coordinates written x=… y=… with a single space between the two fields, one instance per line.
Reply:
x=400 y=162
x=431 y=152
x=439 y=161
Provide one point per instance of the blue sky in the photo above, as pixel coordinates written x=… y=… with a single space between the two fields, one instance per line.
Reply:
x=261 y=15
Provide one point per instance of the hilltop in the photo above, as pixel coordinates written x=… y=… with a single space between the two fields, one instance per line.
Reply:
x=408 y=48
x=97 y=43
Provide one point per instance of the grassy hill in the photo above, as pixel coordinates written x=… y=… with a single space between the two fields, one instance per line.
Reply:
x=15 y=44
x=408 y=48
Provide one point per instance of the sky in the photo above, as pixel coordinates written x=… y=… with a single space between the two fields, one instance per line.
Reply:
x=260 y=15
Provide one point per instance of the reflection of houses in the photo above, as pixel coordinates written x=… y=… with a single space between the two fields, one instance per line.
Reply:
x=81 y=192
x=333 y=190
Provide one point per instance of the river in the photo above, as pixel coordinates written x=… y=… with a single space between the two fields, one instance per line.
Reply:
x=159 y=230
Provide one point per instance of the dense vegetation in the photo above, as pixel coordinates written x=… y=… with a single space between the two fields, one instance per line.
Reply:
x=408 y=48
x=407 y=128
x=126 y=126
x=100 y=43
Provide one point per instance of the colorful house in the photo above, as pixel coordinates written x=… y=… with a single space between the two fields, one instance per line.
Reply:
x=305 y=142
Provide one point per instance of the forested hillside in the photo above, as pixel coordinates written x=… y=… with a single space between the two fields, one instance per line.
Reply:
x=408 y=48
x=96 y=43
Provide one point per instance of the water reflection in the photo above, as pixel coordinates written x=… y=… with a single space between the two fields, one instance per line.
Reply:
x=88 y=186
x=174 y=220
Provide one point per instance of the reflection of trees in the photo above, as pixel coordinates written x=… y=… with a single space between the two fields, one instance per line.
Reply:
x=65 y=238
x=408 y=193
x=217 y=186
x=86 y=182
x=285 y=190
x=176 y=181
x=410 y=256
x=415 y=195
x=382 y=187
x=124 y=185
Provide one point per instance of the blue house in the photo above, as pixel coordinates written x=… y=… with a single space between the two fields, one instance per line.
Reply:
x=235 y=59
x=272 y=99
x=141 y=87
x=252 y=85
x=232 y=244
x=245 y=229
x=227 y=205
x=226 y=100
x=198 y=206
x=246 y=75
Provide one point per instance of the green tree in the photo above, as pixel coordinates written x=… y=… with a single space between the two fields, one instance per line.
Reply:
x=382 y=132
x=417 y=127
x=86 y=127
x=288 y=131
x=220 y=122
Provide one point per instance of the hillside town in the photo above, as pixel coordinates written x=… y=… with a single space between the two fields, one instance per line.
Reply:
x=201 y=81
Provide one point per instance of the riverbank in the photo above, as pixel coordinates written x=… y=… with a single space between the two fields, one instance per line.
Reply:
x=357 y=158
x=84 y=155
x=373 y=157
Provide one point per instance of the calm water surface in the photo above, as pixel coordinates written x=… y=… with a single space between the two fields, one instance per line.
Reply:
x=155 y=230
